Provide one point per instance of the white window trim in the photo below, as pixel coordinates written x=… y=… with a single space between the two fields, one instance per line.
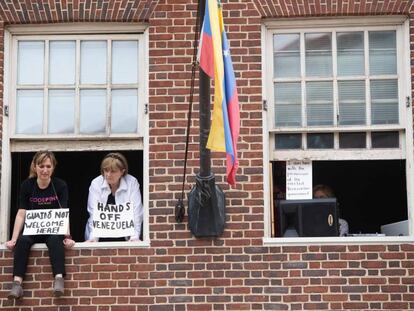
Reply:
x=98 y=143
x=369 y=21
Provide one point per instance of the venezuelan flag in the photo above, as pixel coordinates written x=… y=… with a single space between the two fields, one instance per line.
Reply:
x=215 y=61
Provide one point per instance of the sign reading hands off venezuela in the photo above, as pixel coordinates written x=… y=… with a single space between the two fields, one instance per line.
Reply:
x=113 y=220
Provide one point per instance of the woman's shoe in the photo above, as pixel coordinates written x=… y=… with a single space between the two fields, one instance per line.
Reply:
x=59 y=286
x=16 y=291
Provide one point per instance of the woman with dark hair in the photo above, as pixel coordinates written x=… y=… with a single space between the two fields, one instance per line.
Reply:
x=114 y=187
x=40 y=191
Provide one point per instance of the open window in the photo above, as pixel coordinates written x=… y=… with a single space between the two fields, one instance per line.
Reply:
x=80 y=91
x=338 y=95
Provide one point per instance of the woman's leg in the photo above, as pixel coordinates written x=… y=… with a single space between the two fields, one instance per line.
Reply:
x=21 y=255
x=56 y=253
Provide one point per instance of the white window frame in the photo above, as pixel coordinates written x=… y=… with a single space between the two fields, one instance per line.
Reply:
x=399 y=23
x=69 y=142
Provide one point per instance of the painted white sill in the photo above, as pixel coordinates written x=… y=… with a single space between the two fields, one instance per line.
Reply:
x=94 y=245
x=338 y=240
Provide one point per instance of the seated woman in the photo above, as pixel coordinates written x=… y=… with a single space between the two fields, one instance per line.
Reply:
x=324 y=191
x=40 y=191
x=114 y=190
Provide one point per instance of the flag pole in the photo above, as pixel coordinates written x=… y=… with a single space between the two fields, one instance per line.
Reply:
x=206 y=201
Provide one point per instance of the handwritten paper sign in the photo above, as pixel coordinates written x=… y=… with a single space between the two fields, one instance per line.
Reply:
x=298 y=180
x=46 y=221
x=113 y=220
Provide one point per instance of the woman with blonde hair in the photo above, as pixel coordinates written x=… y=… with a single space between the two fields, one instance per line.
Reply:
x=40 y=191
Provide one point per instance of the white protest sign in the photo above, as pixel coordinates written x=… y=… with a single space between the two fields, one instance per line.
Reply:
x=113 y=220
x=298 y=180
x=46 y=221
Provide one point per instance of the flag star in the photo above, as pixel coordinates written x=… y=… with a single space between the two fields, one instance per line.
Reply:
x=226 y=52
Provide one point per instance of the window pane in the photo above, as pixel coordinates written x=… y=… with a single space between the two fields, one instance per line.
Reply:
x=382 y=52
x=124 y=111
x=93 y=62
x=385 y=140
x=61 y=111
x=320 y=141
x=319 y=103
x=62 y=62
x=351 y=102
x=288 y=104
x=350 y=53
x=318 y=54
x=288 y=141
x=352 y=140
x=286 y=55
x=30 y=62
x=29 y=112
x=384 y=102
x=92 y=111
x=124 y=62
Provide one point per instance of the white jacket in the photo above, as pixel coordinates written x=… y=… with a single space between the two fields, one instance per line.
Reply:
x=128 y=191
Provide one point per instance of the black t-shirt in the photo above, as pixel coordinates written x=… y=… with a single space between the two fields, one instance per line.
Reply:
x=32 y=197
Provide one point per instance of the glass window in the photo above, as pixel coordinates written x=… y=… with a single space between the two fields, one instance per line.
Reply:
x=288 y=141
x=61 y=111
x=351 y=102
x=382 y=52
x=320 y=141
x=288 y=104
x=30 y=62
x=352 y=140
x=124 y=100
x=319 y=103
x=82 y=99
x=62 y=62
x=336 y=98
x=93 y=62
x=286 y=55
x=124 y=62
x=384 y=101
x=29 y=112
x=92 y=111
x=350 y=46
x=318 y=54
x=385 y=139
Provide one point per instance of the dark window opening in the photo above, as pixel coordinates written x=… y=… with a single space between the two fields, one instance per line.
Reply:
x=77 y=169
x=369 y=193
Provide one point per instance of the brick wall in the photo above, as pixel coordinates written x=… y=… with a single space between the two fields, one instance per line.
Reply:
x=235 y=271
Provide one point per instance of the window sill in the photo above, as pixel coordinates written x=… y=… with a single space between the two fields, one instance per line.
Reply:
x=338 y=240
x=94 y=245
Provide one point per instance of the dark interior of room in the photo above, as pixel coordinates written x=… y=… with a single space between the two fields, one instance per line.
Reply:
x=370 y=193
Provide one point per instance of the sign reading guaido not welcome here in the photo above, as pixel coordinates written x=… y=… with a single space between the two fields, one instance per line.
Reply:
x=46 y=221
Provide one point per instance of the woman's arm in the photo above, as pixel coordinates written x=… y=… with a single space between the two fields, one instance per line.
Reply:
x=17 y=228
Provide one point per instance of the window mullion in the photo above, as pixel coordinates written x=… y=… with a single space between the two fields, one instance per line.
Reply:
x=303 y=78
x=108 y=86
x=46 y=88
x=77 y=88
x=335 y=89
x=367 y=90
x=367 y=79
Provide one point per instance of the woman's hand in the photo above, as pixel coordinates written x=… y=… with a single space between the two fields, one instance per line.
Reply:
x=11 y=244
x=68 y=243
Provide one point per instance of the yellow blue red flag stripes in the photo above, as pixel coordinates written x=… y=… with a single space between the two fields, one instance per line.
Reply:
x=215 y=60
